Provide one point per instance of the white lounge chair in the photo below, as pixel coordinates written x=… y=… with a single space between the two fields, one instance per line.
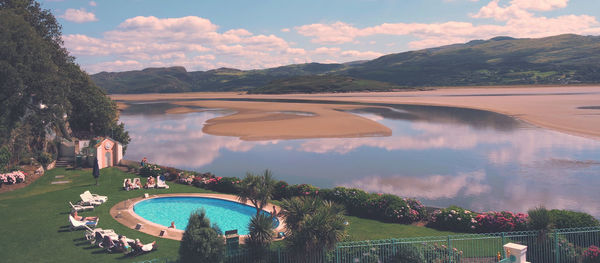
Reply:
x=80 y=208
x=97 y=198
x=160 y=183
x=76 y=224
x=90 y=234
x=88 y=200
x=136 y=183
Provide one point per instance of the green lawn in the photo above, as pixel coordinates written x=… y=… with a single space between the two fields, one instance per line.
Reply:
x=34 y=223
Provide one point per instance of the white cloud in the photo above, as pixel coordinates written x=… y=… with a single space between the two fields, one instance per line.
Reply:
x=195 y=43
x=517 y=18
x=92 y=3
x=79 y=16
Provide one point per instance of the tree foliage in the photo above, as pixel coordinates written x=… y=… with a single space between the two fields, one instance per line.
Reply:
x=42 y=91
x=312 y=224
x=200 y=242
x=260 y=235
x=258 y=189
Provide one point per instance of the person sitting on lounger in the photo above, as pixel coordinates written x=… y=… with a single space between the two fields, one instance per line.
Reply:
x=123 y=245
x=140 y=247
x=84 y=218
x=138 y=184
x=150 y=183
x=128 y=184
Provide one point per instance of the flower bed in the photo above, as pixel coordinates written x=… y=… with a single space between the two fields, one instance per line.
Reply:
x=591 y=255
x=15 y=177
x=456 y=218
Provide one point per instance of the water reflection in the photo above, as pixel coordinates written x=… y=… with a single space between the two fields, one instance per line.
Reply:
x=443 y=156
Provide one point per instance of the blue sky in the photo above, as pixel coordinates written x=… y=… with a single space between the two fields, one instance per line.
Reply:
x=118 y=35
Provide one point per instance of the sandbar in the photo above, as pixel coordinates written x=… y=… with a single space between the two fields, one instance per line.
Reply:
x=571 y=109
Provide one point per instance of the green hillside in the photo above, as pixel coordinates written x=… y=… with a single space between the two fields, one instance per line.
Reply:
x=563 y=59
x=559 y=59
x=321 y=84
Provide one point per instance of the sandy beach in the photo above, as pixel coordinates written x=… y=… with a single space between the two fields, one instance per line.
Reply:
x=574 y=110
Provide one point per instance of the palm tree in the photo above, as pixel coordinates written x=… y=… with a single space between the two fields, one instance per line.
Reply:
x=261 y=234
x=258 y=189
x=312 y=224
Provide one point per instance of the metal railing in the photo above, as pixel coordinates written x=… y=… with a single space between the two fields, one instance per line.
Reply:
x=556 y=246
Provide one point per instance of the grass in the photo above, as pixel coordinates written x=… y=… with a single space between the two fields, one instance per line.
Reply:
x=34 y=223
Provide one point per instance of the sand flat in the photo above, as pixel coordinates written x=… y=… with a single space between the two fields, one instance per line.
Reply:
x=555 y=108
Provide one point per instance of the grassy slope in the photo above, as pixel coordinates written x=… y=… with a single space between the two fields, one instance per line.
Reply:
x=34 y=224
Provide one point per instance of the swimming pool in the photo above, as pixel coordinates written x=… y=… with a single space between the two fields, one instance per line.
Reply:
x=228 y=215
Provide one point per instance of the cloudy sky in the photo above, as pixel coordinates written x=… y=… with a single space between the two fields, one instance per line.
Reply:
x=118 y=35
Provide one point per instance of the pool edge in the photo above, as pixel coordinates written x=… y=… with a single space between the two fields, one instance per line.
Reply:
x=123 y=213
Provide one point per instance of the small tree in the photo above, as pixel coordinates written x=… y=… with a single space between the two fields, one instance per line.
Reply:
x=258 y=189
x=200 y=242
x=539 y=218
x=261 y=235
x=312 y=224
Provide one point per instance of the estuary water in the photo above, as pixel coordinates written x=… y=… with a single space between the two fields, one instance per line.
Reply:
x=440 y=155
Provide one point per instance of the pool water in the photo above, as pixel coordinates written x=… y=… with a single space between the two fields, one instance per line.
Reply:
x=228 y=215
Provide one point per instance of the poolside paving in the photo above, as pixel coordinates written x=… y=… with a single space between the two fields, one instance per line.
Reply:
x=124 y=214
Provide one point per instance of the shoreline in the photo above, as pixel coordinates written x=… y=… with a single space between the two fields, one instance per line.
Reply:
x=554 y=108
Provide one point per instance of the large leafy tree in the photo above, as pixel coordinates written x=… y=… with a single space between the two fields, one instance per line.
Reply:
x=42 y=90
x=201 y=242
x=258 y=189
x=312 y=224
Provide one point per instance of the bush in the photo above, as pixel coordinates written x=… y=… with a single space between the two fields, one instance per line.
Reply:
x=151 y=170
x=200 y=242
x=408 y=254
x=44 y=158
x=5 y=156
x=171 y=173
x=280 y=191
x=591 y=255
x=571 y=219
x=454 y=218
x=539 y=218
x=501 y=222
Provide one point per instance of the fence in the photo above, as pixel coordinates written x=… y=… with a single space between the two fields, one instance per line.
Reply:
x=557 y=246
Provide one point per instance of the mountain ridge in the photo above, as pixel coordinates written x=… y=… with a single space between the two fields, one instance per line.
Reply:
x=502 y=60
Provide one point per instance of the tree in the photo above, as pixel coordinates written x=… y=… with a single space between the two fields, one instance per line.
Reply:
x=260 y=236
x=200 y=242
x=258 y=189
x=42 y=90
x=312 y=224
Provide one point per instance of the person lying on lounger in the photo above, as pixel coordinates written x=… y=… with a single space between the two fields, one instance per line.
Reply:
x=84 y=218
x=150 y=183
x=128 y=184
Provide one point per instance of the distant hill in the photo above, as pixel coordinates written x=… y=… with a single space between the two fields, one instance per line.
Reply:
x=562 y=59
x=177 y=79
x=321 y=84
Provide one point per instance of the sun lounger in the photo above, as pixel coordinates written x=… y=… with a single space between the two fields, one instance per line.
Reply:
x=87 y=200
x=76 y=224
x=90 y=234
x=80 y=208
x=160 y=182
x=101 y=198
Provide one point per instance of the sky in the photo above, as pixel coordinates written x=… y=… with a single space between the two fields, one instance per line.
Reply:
x=120 y=35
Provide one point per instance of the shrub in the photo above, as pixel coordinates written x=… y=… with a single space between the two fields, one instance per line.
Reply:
x=171 y=173
x=539 y=218
x=5 y=156
x=44 y=158
x=226 y=185
x=501 y=222
x=151 y=170
x=200 y=242
x=454 y=218
x=392 y=208
x=591 y=255
x=355 y=200
x=280 y=191
x=408 y=254
x=571 y=219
